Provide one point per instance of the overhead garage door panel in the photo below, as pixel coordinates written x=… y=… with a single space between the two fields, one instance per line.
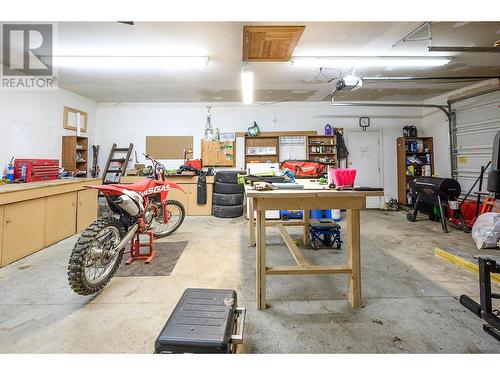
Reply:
x=477 y=120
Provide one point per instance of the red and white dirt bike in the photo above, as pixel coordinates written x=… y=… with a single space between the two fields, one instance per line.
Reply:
x=136 y=208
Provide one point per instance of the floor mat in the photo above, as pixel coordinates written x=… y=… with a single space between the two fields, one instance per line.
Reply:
x=167 y=255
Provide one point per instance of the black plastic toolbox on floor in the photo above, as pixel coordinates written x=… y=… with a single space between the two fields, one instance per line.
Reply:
x=204 y=321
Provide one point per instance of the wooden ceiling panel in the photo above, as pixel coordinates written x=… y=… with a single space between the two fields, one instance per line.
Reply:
x=270 y=43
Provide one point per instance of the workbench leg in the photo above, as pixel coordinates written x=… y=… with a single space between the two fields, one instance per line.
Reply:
x=354 y=258
x=307 y=238
x=261 y=261
x=251 y=222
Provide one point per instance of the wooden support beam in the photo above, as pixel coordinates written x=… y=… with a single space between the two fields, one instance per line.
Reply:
x=301 y=200
x=251 y=222
x=354 y=258
x=288 y=223
x=261 y=261
x=312 y=269
x=307 y=230
x=294 y=249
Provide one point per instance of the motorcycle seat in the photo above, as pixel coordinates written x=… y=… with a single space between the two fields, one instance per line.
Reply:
x=137 y=187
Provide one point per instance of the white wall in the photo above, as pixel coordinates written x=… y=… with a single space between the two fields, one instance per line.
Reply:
x=435 y=124
x=31 y=123
x=126 y=123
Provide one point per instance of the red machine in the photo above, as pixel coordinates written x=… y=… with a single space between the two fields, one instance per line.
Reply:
x=36 y=169
x=136 y=245
x=194 y=163
x=471 y=212
x=141 y=208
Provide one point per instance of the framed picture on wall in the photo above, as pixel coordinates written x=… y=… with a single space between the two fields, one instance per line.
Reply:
x=74 y=119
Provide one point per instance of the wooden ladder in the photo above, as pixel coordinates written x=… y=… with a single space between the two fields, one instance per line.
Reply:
x=116 y=165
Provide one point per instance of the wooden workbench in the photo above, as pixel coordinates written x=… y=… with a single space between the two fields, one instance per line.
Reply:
x=313 y=197
x=35 y=215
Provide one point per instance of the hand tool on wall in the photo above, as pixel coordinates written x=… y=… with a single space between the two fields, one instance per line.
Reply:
x=95 y=170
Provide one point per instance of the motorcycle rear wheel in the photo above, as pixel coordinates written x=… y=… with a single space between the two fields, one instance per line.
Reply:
x=176 y=215
x=91 y=264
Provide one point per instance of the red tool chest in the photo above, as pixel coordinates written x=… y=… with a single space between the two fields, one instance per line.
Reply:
x=36 y=169
x=195 y=163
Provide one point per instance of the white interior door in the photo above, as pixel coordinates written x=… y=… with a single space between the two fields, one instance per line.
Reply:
x=365 y=154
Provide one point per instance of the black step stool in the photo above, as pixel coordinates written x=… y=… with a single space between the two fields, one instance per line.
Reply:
x=204 y=321
x=325 y=231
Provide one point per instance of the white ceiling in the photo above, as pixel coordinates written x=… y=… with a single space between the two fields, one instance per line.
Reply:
x=222 y=42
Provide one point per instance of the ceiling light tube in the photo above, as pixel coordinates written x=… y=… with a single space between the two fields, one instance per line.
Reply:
x=130 y=62
x=368 y=61
x=247 y=85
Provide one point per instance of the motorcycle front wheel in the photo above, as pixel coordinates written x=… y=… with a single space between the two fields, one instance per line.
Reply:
x=175 y=216
x=92 y=262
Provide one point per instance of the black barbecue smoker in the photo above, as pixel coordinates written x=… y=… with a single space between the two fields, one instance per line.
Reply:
x=442 y=192
x=487 y=266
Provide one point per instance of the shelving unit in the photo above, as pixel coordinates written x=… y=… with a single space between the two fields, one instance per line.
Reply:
x=323 y=148
x=262 y=142
x=75 y=154
x=424 y=152
x=218 y=154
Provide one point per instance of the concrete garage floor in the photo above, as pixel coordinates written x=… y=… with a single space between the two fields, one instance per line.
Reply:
x=409 y=296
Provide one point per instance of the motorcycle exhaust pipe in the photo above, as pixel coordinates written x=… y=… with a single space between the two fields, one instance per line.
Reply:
x=128 y=205
x=126 y=238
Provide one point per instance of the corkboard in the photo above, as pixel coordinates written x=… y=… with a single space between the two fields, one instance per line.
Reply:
x=164 y=147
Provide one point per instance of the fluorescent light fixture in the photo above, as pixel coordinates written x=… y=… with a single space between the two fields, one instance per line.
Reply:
x=247 y=85
x=130 y=62
x=368 y=61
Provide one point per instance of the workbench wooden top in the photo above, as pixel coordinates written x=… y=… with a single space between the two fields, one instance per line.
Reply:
x=181 y=179
x=13 y=193
x=311 y=190
x=9 y=188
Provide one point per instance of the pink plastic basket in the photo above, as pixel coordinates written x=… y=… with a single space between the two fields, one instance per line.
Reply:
x=343 y=177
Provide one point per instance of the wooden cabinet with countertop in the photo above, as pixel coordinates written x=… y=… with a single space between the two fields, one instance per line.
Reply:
x=37 y=214
x=24 y=229
x=196 y=209
x=86 y=209
x=60 y=217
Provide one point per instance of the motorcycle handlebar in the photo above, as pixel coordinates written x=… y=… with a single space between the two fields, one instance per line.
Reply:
x=156 y=163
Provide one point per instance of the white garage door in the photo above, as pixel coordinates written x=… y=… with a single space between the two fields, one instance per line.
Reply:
x=475 y=123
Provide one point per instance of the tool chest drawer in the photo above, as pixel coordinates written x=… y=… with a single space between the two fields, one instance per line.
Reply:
x=204 y=321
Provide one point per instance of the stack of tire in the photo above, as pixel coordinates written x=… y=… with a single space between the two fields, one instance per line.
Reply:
x=227 y=200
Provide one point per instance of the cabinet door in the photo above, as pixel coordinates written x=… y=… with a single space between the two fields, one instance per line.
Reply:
x=199 y=209
x=1 y=231
x=23 y=231
x=229 y=148
x=208 y=153
x=213 y=153
x=87 y=208
x=60 y=220
x=175 y=194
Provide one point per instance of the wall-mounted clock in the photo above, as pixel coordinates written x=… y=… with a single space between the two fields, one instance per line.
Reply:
x=364 y=122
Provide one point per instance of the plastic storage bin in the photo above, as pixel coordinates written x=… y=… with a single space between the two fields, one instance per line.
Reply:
x=321 y=214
